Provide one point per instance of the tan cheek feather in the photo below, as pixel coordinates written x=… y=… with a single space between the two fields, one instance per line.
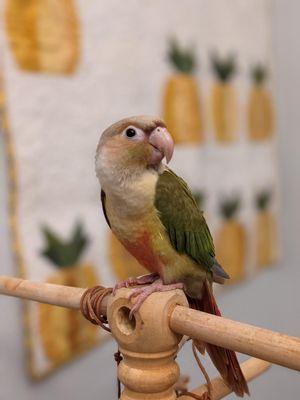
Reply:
x=128 y=153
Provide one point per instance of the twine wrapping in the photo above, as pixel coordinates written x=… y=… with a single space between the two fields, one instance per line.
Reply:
x=207 y=394
x=90 y=306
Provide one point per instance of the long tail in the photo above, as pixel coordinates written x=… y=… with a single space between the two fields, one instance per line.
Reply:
x=224 y=360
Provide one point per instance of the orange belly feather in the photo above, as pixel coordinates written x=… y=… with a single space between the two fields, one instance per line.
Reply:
x=143 y=251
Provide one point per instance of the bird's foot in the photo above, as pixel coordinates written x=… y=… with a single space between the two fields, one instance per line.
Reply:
x=140 y=280
x=144 y=292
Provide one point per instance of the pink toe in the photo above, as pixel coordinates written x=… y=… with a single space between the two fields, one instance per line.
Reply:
x=134 y=293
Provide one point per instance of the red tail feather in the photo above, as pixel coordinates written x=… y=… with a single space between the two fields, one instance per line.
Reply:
x=224 y=360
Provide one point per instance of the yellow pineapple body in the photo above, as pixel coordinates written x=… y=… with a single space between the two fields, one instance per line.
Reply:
x=123 y=264
x=224 y=112
x=65 y=332
x=230 y=249
x=43 y=34
x=265 y=236
x=260 y=114
x=181 y=109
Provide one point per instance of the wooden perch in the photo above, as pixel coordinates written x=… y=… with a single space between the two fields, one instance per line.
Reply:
x=257 y=342
x=262 y=343
x=59 y=295
x=251 y=368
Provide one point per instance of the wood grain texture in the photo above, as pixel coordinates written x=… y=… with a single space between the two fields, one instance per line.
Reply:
x=59 y=295
x=248 y=339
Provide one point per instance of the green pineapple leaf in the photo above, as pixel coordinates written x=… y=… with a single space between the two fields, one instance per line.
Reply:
x=182 y=59
x=79 y=241
x=263 y=199
x=223 y=68
x=259 y=74
x=199 y=196
x=64 y=253
x=229 y=207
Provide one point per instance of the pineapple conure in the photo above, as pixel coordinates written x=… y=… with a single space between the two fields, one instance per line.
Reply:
x=123 y=264
x=64 y=332
x=260 y=110
x=181 y=102
x=264 y=230
x=223 y=98
x=153 y=213
x=43 y=35
x=230 y=239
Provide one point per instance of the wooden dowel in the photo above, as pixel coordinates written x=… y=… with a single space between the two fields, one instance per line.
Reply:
x=57 y=295
x=64 y=296
x=262 y=343
x=251 y=369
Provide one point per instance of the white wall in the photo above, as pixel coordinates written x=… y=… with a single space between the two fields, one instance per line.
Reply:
x=271 y=301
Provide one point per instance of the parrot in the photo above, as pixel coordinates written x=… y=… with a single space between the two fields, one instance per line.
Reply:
x=153 y=213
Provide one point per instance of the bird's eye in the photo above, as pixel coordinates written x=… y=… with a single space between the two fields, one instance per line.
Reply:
x=133 y=133
x=130 y=132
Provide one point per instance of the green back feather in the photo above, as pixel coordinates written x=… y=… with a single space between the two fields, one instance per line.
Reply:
x=183 y=220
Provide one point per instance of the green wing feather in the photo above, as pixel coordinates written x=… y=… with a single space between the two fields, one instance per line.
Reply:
x=183 y=220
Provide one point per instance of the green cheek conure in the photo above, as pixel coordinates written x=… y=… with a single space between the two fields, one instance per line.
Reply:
x=153 y=214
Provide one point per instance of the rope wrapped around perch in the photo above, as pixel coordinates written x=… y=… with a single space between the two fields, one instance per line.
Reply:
x=90 y=306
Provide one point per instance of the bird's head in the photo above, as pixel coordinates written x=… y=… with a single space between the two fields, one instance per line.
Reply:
x=133 y=145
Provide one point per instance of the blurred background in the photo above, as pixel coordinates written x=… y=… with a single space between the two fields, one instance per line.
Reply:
x=224 y=76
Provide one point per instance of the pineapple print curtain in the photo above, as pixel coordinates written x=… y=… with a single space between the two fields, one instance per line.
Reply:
x=69 y=69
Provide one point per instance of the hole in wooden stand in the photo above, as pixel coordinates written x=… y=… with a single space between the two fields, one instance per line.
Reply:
x=125 y=325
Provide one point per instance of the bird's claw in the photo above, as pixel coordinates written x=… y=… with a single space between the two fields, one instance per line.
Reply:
x=140 y=280
x=127 y=283
x=144 y=292
x=135 y=292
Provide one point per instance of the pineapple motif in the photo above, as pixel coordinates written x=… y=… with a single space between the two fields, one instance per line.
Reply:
x=65 y=332
x=43 y=34
x=123 y=264
x=264 y=230
x=223 y=98
x=260 y=110
x=181 y=102
x=230 y=240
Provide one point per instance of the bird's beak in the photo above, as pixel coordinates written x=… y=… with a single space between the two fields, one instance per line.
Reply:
x=162 y=143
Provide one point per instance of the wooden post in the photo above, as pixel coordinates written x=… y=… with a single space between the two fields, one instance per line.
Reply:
x=148 y=369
